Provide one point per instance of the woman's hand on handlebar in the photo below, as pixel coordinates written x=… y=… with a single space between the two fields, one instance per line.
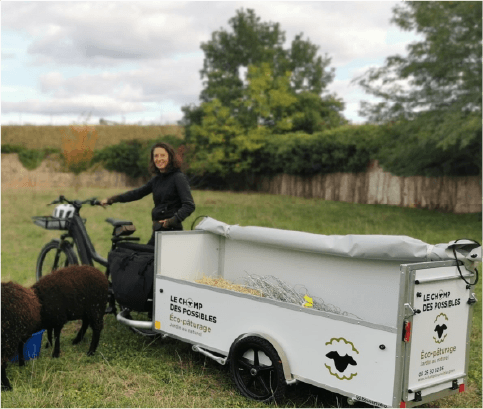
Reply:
x=104 y=202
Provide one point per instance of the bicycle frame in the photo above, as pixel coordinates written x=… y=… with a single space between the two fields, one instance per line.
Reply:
x=85 y=249
x=77 y=231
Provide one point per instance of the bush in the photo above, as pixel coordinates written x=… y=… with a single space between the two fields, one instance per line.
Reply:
x=415 y=148
x=348 y=148
x=123 y=157
x=30 y=158
x=132 y=157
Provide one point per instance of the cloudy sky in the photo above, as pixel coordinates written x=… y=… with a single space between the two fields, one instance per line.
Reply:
x=138 y=62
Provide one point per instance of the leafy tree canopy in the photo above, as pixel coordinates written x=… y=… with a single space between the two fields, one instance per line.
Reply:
x=253 y=43
x=433 y=95
x=224 y=141
x=255 y=89
x=440 y=73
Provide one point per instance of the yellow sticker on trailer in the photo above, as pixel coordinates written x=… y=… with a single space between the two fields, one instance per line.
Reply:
x=309 y=302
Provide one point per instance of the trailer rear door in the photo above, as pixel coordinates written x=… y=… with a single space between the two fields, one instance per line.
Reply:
x=437 y=331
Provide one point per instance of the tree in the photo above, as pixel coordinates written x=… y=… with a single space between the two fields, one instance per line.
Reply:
x=215 y=140
x=266 y=100
x=252 y=42
x=315 y=114
x=228 y=136
x=434 y=93
x=442 y=72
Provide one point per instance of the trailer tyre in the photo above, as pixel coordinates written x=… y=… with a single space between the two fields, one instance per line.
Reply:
x=257 y=369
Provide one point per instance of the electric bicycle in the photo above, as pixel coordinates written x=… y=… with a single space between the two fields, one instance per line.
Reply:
x=75 y=246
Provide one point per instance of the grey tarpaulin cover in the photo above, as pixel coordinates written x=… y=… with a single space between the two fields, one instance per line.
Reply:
x=370 y=246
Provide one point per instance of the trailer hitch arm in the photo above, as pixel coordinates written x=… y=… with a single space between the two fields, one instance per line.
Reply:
x=133 y=323
x=219 y=359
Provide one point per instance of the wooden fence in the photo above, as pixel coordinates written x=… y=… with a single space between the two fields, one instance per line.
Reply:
x=450 y=194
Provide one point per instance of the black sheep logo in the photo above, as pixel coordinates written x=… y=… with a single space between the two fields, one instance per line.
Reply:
x=341 y=362
x=340 y=358
x=441 y=326
x=439 y=329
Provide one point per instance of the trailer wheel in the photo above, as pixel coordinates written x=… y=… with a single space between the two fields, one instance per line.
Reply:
x=257 y=369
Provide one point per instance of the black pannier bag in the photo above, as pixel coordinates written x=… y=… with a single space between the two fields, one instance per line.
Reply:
x=131 y=268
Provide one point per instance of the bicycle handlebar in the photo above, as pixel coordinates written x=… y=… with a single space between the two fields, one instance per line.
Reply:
x=62 y=199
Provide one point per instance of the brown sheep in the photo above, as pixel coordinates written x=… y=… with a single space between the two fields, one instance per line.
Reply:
x=72 y=293
x=20 y=319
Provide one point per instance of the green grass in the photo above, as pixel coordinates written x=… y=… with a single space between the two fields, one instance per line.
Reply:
x=131 y=371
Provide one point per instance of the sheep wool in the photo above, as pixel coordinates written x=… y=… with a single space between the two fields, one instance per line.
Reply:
x=73 y=293
x=20 y=319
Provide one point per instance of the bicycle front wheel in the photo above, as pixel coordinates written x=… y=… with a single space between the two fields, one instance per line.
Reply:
x=54 y=255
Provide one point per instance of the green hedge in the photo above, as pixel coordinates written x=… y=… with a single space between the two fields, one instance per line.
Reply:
x=30 y=158
x=416 y=149
x=348 y=148
x=131 y=157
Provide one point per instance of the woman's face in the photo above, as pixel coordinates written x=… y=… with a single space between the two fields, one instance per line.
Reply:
x=161 y=158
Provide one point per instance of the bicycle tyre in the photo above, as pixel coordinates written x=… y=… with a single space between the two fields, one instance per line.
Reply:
x=48 y=262
x=260 y=377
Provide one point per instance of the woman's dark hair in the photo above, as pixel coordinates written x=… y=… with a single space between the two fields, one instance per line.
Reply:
x=174 y=161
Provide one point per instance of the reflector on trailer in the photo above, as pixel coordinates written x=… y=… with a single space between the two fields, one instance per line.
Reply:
x=407 y=331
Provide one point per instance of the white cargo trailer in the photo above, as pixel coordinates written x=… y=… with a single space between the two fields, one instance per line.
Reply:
x=397 y=337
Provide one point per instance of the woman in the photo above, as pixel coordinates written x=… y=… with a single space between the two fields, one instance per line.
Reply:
x=171 y=192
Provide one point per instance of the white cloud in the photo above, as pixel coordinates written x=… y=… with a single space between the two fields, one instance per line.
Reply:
x=51 y=81
x=151 y=82
x=103 y=33
x=97 y=106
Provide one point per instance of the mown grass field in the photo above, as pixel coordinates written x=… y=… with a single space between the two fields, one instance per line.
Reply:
x=131 y=371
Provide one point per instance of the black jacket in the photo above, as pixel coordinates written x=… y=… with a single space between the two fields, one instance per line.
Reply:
x=171 y=194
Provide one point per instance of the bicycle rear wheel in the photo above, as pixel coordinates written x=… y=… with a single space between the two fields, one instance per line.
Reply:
x=54 y=255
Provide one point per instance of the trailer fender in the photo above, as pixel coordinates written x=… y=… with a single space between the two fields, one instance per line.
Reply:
x=285 y=364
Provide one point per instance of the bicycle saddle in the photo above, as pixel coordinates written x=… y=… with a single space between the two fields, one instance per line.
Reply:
x=117 y=222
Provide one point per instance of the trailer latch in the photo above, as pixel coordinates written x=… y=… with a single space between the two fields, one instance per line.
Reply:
x=455 y=385
x=412 y=311
x=472 y=300
x=418 y=397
